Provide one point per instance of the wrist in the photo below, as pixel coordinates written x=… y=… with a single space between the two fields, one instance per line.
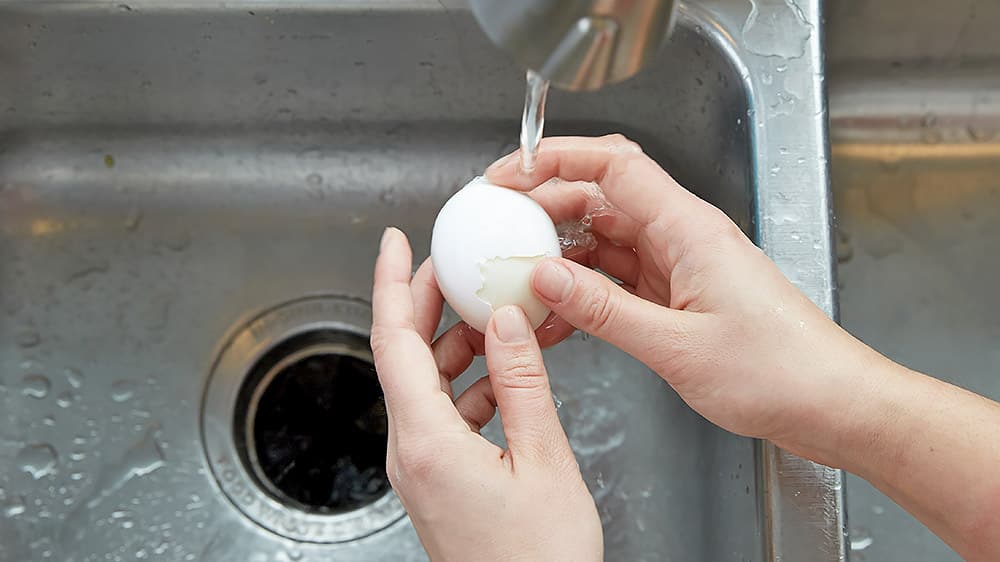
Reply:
x=849 y=407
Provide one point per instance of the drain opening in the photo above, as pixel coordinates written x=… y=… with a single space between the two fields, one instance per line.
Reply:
x=311 y=426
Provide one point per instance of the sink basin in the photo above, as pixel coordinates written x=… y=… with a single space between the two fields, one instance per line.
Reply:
x=915 y=131
x=190 y=202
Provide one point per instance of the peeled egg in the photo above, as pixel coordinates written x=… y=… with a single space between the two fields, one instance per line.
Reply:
x=486 y=242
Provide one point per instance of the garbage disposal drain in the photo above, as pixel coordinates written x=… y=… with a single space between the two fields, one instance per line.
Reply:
x=294 y=423
x=315 y=424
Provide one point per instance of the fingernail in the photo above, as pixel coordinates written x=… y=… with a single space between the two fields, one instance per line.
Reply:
x=553 y=281
x=511 y=324
x=385 y=238
x=502 y=162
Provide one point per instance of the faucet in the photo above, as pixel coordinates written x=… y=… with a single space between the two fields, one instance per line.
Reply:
x=578 y=44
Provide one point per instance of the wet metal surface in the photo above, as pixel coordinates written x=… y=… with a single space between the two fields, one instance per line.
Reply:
x=915 y=123
x=168 y=172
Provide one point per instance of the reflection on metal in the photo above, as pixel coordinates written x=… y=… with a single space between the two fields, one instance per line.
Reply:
x=578 y=44
x=252 y=167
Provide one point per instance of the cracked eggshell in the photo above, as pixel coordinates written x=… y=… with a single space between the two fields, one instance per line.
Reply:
x=485 y=244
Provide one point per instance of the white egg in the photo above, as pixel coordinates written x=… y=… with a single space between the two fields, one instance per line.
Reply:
x=486 y=242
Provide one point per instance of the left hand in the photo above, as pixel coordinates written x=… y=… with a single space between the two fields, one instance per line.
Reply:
x=467 y=498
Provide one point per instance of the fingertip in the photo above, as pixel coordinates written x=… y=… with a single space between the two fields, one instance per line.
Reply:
x=390 y=236
x=503 y=162
x=510 y=325
x=552 y=279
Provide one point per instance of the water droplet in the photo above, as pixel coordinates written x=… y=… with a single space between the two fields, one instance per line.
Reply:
x=14 y=506
x=76 y=476
x=35 y=386
x=861 y=539
x=767 y=78
x=122 y=391
x=878 y=510
x=776 y=29
x=178 y=242
x=49 y=421
x=775 y=170
x=133 y=218
x=931 y=136
x=66 y=399
x=314 y=183
x=28 y=339
x=38 y=459
x=142 y=458
x=74 y=378
x=982 y=133
x=77 y=456
x=388 y=197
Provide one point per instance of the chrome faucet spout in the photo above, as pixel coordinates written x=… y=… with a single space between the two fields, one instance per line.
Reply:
x=578 y=44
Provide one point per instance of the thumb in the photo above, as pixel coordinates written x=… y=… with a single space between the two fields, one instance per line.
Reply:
x=521 y=386
x=595 y=304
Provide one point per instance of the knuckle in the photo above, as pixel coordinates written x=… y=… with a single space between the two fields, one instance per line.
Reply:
x=723 y=229
x=619 y=143
x=379 y=340
x=601 y=306
x=414 y=464
x=521 y=370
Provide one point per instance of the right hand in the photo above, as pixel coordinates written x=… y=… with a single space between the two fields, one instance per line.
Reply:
x=699 y=303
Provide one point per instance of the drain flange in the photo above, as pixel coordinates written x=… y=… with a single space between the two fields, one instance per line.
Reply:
x=293 y=424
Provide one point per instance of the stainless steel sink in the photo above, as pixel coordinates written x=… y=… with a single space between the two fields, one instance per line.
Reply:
x=915 y=130
x=191 y=196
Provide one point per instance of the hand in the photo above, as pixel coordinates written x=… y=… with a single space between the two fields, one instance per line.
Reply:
x=467 y=498
x=699 y=303
x=706 y=309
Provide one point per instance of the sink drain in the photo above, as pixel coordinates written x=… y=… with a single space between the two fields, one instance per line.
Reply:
x=315 y=423
x=294 y=424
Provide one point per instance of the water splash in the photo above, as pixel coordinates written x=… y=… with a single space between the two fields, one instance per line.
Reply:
x=576 y=236
x=533 y=119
